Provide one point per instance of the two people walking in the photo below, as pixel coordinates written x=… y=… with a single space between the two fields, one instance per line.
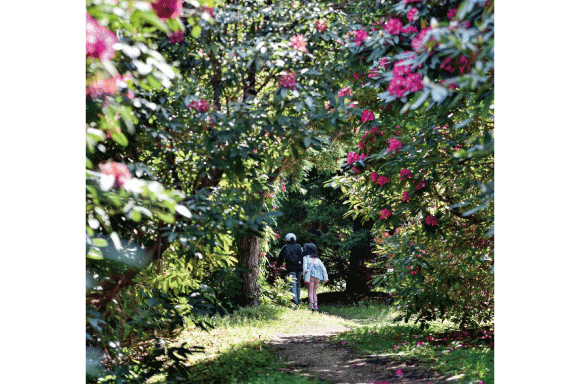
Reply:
x=298 y=261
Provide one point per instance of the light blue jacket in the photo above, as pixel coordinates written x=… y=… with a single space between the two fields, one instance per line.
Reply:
x=318 y=269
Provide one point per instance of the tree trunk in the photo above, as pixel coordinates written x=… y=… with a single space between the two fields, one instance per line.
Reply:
x=249 y=252
x=359 y=274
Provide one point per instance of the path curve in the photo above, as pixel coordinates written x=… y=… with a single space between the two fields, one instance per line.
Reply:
x=310 y=354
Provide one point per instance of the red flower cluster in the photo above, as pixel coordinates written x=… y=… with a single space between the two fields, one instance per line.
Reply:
x=431 y=220
x=360 y=36
x=288 y=80
x=404 y=80
x=177 y=37
x=354 y=157
x=201 y=106
x=298 y=43
x=101 y=87
x=345 y=92
x=405 y=197
x=385 y=213
x=405 y=174
x=413 y=13
x=118 y=170
x=99 y=40
x=393 y=144
x=452 y=13
x=417 y=41
x=367 y=116
x=321 y=25
x=393 y=26
x=167 y=9
x=208 y=10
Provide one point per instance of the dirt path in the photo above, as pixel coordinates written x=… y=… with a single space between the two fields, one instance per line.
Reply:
x=312 y=355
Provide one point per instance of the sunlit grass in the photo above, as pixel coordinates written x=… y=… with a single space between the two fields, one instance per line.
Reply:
x=466 y=359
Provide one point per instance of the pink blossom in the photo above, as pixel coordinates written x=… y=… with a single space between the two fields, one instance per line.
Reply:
x=167 y=9
x=385 y=213
x=452 y=13
x=360 y=35
x=321 y=25
x=101 y=87
x=413 y=82
x=374 y=177
x=367 y=116
x=412 y=14
x=99 y=40
x=393 y=144
x=464 y=65
x=420 y=343
x=118 y=170
x=420 y=185
x=201 y=106
x=373 y=73
x=382 y=63
x=177 y=37
x=411 y=1
x=405 y=196
x=288 y=80
x=298 y=43
x=208 y=10
x=447 y=64
x=382 y=180
x=345 y=92
x=409 y=29
x=393 y=26
x=405 y=174
x=417 y=41
x=395 y=346
x=401 y=69
x=431 y=220
x=399 y=372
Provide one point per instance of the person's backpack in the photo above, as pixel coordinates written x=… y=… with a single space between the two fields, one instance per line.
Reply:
x=293 y=253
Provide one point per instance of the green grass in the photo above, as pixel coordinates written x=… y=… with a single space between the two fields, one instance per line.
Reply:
x=236 y=350
x=443 y=347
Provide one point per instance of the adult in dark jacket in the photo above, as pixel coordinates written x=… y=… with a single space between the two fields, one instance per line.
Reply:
x=291 y=252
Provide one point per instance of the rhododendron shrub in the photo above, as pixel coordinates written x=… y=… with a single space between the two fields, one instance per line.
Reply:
x=433 y=107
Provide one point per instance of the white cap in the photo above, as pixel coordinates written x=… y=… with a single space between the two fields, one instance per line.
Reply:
x=290 y=236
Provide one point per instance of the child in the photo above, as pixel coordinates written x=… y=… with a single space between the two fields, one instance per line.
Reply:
x=317 y=273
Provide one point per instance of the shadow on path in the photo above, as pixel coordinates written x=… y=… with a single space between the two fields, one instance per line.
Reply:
x=312 y=355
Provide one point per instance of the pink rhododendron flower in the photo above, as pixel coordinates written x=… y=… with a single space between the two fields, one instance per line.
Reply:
x=101 y=87
x=412 y=14
x=321 y=25
x=399 y=372
x=201 y=106
x=464 y=65
x=405 y=196
x=401 y=69
x=118 y=170
x=447 y=64
x=374 y=177
x=385 y=213
x=345 y=92
x=409 y=29
x=374 y=74
x=431 y=220
x=420 y=343
x=208 y=10
x=383 y=63
x=288 y=80
x=452 y=13
x=417 y=41
x=411 y=1
x=393 y=26
x=367 y=116
x=420 y=185
x=177 y=37
x=360 y=35
x=393 y=144
x=99 y=40
x=382 y=180
x=405 y=174
x=167 y=9
x=298 y=43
